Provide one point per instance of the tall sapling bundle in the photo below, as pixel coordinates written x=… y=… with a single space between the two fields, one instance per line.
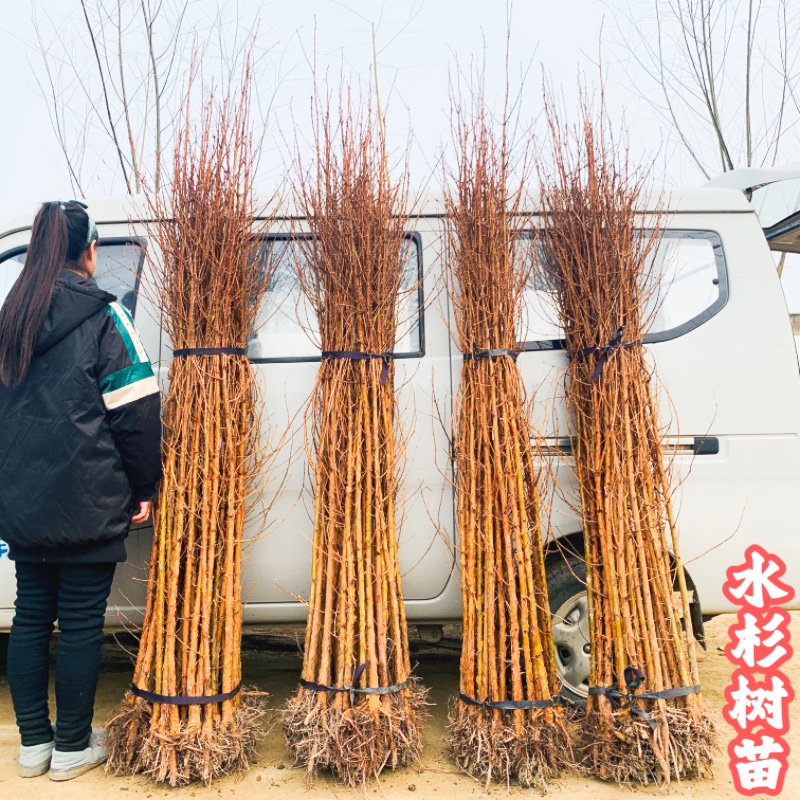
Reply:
x=645 y=718
x=185 y=717
x=507 y=722
x=358 y=706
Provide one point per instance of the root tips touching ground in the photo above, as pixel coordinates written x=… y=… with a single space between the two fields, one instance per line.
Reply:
x=355 y=744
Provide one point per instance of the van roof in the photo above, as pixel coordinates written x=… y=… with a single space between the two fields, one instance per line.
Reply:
x=426 y=203
x=674 y=200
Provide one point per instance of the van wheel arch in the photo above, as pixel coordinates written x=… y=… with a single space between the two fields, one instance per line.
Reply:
x=566 y=584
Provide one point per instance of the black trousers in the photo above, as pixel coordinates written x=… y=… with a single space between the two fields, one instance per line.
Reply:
x=76 y=595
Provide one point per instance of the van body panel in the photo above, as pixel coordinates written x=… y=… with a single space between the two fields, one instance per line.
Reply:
x=733 y=379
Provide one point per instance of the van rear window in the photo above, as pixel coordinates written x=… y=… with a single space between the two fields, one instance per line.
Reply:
x=690 y=286
x=287 y=329
x=118 y=266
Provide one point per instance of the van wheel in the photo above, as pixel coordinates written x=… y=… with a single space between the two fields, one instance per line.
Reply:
x=566 y=586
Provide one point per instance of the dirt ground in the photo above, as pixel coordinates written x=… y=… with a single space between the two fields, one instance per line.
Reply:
x=272 y=662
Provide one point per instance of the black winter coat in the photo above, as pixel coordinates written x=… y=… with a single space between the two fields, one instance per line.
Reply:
x=80 y=440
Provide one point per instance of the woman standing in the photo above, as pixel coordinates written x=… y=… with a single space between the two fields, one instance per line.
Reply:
x=80 y=455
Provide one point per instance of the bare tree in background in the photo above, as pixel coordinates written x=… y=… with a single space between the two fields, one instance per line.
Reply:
x=721 y=74
x=108 y=74
x=113 y=72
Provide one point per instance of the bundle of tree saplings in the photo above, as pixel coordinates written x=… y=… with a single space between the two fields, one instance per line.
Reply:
x=645 y=719
x=185 y=717
x=358 y=706
x=507 y=722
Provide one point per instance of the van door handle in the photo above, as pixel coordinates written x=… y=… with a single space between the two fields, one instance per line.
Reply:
x=700 y=446
x=706 y=445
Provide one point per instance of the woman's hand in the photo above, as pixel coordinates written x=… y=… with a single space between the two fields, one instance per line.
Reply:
x=143 y=514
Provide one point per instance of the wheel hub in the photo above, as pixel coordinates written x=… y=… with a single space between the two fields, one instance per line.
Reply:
x=571 y=638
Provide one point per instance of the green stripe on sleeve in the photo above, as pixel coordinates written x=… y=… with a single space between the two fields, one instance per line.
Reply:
x=126 y=377
x=126 y=337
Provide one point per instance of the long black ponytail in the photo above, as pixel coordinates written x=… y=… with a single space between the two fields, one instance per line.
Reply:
x=60 y=234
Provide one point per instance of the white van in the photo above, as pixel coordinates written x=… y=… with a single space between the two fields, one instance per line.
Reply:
x=722 y=344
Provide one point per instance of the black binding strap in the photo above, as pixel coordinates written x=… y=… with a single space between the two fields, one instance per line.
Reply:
x=497 y=351
x=634 y=678
x=357 y=355
x=163 y=699
x=616 y=343
x=508 y=705
x=353 y=690
x=210 y=351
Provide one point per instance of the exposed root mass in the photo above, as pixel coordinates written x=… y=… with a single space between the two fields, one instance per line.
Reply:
x=356 y=744
x=496 y=748
x=627 y=750
x=188 y=754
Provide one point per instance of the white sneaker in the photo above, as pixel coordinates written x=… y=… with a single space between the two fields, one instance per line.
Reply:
x=66 y=766
x=34 y=760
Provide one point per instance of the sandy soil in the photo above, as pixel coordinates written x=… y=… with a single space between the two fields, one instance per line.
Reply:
x=271 y=661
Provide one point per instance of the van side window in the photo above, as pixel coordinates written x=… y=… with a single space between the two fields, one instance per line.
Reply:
x=286 y=327
x=119 y=263
x=692 y=283
x=690 y=286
